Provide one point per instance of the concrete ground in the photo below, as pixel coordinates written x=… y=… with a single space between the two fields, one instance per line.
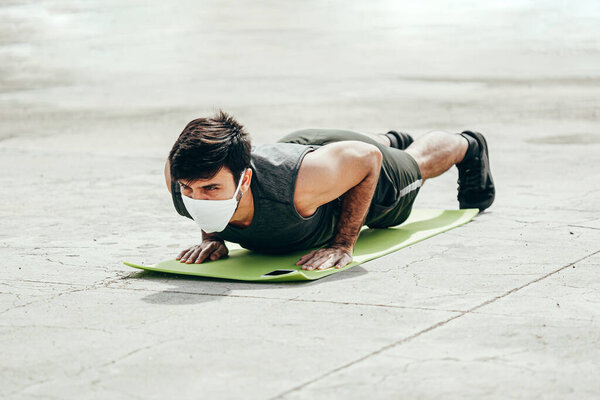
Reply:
x=92 y=96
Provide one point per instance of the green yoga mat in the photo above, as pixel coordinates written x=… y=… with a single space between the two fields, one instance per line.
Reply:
x=245 y=265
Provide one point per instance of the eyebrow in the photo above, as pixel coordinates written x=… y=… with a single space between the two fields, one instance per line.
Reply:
x=202 y=187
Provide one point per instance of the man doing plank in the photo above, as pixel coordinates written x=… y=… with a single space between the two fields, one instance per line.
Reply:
x=313 y=188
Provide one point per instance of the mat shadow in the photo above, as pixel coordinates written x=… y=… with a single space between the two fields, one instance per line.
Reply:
x=188 y=289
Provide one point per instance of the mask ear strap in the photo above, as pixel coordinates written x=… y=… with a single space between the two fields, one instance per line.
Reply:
x=239 y=183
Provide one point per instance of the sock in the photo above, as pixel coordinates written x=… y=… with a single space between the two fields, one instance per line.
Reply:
x=393 y=140
x=399 y=140
x=472 y=150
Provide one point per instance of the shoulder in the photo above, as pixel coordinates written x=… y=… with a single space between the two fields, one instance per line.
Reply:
x=279 y=160
x=279 y=153
x=275 y=168
x=332 y=170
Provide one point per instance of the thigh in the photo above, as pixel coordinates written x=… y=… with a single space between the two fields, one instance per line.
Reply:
x=405 y=182
x=385 y=217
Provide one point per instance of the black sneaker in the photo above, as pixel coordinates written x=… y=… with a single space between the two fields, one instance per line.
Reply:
x=475 y=183
x=399 y=140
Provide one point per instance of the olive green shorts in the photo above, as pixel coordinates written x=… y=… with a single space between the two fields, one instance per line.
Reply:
x=399 y=179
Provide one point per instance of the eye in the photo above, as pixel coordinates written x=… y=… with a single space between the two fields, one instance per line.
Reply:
x=211 y=188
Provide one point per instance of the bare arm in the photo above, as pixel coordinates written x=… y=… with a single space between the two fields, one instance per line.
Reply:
x=349 y=169
x=355 y=206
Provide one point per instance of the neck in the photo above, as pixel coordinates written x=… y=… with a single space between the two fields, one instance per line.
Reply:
x=242 y=217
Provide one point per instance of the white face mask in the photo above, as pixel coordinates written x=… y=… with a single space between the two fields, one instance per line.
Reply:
x=212 y=215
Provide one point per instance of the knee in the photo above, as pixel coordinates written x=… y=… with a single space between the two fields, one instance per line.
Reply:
x=438 y=134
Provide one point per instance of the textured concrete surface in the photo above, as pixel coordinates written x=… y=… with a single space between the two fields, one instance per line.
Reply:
x=92 y=95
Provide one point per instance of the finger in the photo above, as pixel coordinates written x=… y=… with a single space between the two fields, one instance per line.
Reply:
x=216 y=254
x=203 y=255
x=317 y=261
x=305 y=257
x=309 y=262
x=193 y=256
x=181 y=254
x=312 y=257
x=220 y=252
x=329 y=262
x=301 y=260
x=347 y=259
x=326 y=261
x=188 y=253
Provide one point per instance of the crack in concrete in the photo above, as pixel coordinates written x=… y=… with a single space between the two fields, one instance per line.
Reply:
x=583 y=226
x=64 y=264
x=34 y=326
x=528 y=317
x=130 y=353
x=497 y=359
x=45 y=247
x=427 y=258
x=93 y=286
x=428 y=329
x=38 y=281
x=96 y=285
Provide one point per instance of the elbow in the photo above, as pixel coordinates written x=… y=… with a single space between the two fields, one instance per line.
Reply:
x=374 y=157
x=378 y=155
x=366 y=156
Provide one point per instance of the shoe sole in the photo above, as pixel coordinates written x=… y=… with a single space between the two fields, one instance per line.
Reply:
x=481 y=140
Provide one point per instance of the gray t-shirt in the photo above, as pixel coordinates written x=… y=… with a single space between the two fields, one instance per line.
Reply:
x=276 y=226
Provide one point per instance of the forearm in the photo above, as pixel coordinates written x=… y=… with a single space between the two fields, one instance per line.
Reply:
x=355 y=207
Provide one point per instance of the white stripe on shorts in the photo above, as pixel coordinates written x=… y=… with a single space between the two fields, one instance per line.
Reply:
x=413 y=186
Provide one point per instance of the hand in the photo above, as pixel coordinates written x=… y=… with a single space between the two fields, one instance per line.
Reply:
x=208 y=249
x=325 y=258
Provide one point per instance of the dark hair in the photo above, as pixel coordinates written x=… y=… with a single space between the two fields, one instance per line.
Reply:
x=208 y=144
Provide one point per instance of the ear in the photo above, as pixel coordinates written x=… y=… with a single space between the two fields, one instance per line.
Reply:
x=246 y=180
x=168 y=175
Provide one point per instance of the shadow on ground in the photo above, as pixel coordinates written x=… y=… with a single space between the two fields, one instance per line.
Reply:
x=185 y=289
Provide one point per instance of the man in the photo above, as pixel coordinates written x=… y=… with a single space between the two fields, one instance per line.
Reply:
x=313 y=188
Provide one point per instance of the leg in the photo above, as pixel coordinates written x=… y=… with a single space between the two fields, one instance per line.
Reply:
x=395 y=139
x=437 y=151
x=427 y=157
x=323 y=136
x=316 y=136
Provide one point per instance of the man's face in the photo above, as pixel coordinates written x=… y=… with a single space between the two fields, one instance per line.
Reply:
x=220 y=187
